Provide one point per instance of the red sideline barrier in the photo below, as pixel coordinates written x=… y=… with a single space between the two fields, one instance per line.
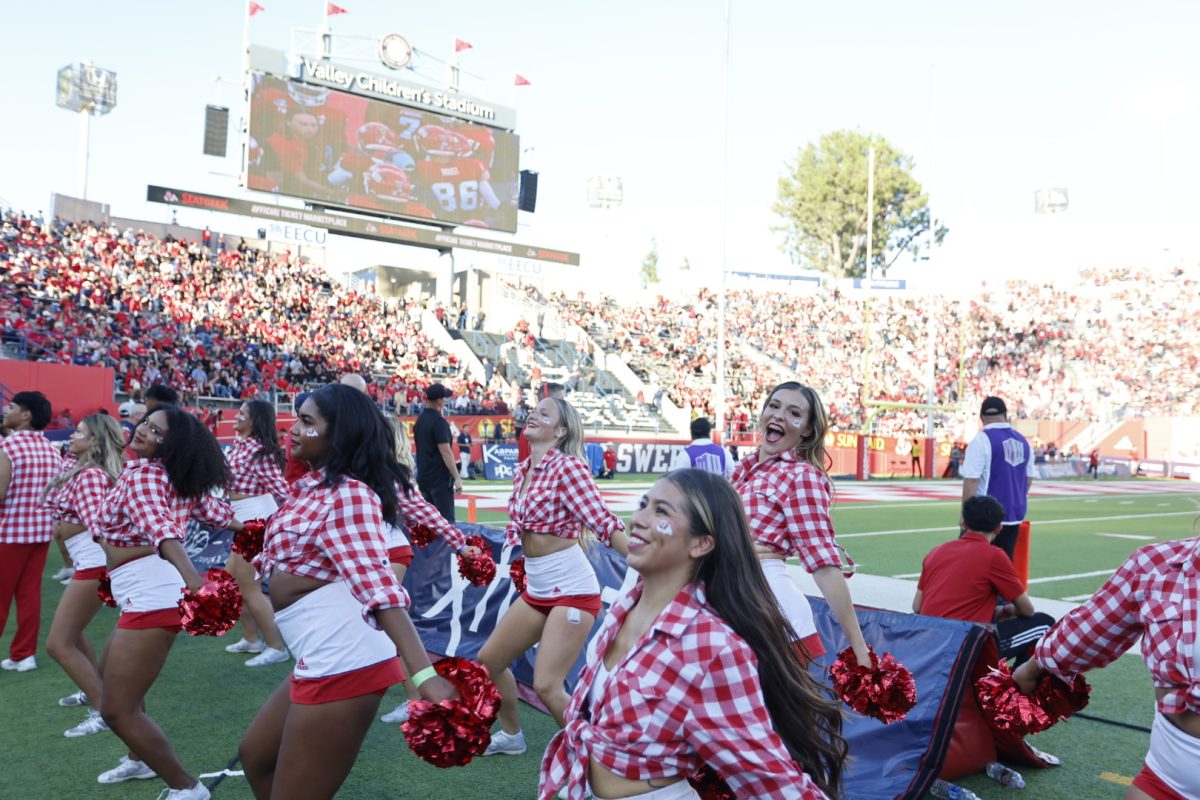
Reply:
x=83 y=390
x=1021 y=554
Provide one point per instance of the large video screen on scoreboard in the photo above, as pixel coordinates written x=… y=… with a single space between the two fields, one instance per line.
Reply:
x=334 y=147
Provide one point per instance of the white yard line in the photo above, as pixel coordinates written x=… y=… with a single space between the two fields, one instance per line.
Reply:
x=1036 y=523
x=1054 y=578
x=1133 y=536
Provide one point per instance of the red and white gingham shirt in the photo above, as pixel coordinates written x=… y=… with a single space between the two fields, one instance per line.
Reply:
x=787 y=505
x=416 y=510
x=143 y=508
x=561 y=499
x=35 y=462
x=251 y=475
x=81 y=498
x=332 y=533
x=685 y=695
x=1156 y=595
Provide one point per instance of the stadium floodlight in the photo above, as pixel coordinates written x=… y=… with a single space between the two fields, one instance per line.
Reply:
x=605 y=192
x=86 y=89
x=1050 y=201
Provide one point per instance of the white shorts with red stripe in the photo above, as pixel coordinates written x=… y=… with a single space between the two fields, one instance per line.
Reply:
x=260 y=506
x=84 y=552
x=567 y=572
x=793 y=604
x=394 y=537
x=1173 y=759
x=327 y=634
x=148 y=583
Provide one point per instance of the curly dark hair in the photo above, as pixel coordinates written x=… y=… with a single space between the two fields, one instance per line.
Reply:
x=802 y=711
x=262 y=430
x=163 y=395
x=190 y=454
x=361 y=445
x=38 y=407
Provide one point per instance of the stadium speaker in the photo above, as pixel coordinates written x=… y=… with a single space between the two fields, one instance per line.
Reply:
x=216 y=130
x=527 y=198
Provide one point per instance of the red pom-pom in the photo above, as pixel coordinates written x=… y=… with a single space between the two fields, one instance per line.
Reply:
x=479 y=568
x=1007 y=709
x=105 y=591
x=1061 y=699
x=214 y=608
x=452 y=732
x=420 y=535
x=248 y=542
x=711 y=786
x=516 y=571
x=885 y=690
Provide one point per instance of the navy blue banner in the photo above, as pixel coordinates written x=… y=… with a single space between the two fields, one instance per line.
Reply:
x=900 y=761
x=207 y=548
x=455 y=618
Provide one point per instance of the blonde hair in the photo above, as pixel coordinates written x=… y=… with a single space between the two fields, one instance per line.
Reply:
x=105 y=452
x=404 y=452
x=571 y=444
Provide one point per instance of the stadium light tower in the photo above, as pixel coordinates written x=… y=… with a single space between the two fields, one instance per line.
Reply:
x=87 y=90
x=722 y=294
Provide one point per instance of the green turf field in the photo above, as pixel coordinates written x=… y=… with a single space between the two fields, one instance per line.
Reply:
x=1070 y=535
x=206 y=698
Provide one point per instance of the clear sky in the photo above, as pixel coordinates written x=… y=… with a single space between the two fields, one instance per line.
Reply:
x=992 y=100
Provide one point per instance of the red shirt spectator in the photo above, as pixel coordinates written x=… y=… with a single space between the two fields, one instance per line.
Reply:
x=961 y=578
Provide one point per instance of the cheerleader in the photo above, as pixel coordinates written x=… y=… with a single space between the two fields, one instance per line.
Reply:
x=414 y=510
x=786 y=494
x=256 y=489
x=337 y=602
x=554 y=498
x=1154 y=595
x=695 y=668
x=177 y=475
x=75 y=497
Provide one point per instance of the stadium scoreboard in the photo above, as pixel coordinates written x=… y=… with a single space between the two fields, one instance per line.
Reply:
x=340 y=136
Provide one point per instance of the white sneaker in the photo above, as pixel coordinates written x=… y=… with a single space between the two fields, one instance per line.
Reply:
x=242 y=646
x=66 y=581
x=508 y=744
x=397 y=714
x=92 y=723
x=77 y=699
x=24 y=665
x=64 y=572
x=127 y=770
x=269 y=655
x=197 y=792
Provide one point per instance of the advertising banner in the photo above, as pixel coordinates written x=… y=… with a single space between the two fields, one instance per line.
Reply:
x=499 y=461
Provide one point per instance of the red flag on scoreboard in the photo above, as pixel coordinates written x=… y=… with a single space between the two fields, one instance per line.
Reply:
x=255 y=8
x=460 y=45
x=521 y=80
x=332 y=11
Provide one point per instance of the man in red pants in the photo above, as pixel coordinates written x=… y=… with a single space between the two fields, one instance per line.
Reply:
x=27 y=463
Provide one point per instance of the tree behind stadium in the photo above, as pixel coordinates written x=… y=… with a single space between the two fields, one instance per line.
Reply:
x=823 y=202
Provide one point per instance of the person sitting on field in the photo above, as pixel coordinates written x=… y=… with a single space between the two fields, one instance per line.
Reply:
x=961 y=578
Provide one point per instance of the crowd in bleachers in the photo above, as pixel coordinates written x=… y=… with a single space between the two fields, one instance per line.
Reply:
x=226 y=323
x=1119 y=342
x=238 y=322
